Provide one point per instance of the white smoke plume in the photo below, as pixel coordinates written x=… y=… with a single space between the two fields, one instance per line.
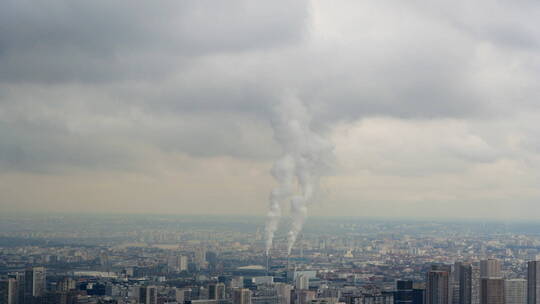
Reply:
x=283 y=172
x=305 y=158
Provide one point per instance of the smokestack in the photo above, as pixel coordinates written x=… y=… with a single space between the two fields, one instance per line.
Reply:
x=305 y=155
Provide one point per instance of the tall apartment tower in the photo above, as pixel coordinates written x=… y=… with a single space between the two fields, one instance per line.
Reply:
x=515 y=291
x=465 y=278
x=148 y=295
x=200 y=258
x=456 y=273
x=66 y=284
x=34 y=282
x=182 y=263
x=491 y=291
x=404 y=293
x=283 y=292
x=418 y=296
x=475 y=284
x=216 y=291
x=302 y=282
x=533 y=282
x=241 y=296
x=8 y=291
x=182 y=295
x=490 y=268
x=304 y=296
x=438 y=285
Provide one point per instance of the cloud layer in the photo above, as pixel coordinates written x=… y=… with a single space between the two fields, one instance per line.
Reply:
x=427 y=103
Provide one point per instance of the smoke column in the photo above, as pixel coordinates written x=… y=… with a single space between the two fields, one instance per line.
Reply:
x=283 y=172
x=297 y=172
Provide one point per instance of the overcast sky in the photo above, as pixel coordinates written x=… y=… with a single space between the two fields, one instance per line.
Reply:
x=165 y=107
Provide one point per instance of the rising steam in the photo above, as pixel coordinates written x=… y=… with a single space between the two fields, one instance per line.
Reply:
x=305 y=156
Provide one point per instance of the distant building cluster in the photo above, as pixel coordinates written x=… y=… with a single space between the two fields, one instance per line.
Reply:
x=333 y=263
x=460 y=283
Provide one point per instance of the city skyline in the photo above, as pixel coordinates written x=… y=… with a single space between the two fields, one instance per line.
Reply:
x=88 y=259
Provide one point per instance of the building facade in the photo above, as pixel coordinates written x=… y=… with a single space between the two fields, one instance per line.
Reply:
x=515 y=291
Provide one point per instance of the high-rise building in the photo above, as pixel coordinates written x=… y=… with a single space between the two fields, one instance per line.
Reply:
x=141 y=294
x=456 y=272
x=464 y=278
x=304 y=296
x=200 y=258
x=475 y=284
x=404 y=293
x=407 y=293
x=4 y=291
x=65 y=285
x=283 y=292
x=533 y=282
x=491 y=291
x=301 y=282
x=515 y=291
x=490 y=268
x=172 y=262
x=438 y=285
x=151 y=295
x=216 y=291
x=182 y=263
x=211 y=259
x=147 y=295
x=178 y=262
x=20 y=288
x=34 y=282
x=8 y=291
x=418 y=296
x=182 y=295
x=241 y=296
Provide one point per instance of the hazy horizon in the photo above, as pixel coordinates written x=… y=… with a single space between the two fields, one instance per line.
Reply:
x=262 y=217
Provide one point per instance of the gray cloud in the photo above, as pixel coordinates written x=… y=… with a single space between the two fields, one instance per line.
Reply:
x=47 y=148
x=75 y=133
x=95 y=41
x=501 y=23
x=122 y=85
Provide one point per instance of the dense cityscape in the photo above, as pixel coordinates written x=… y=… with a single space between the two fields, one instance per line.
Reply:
x=269 y=152
x=222 y=260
